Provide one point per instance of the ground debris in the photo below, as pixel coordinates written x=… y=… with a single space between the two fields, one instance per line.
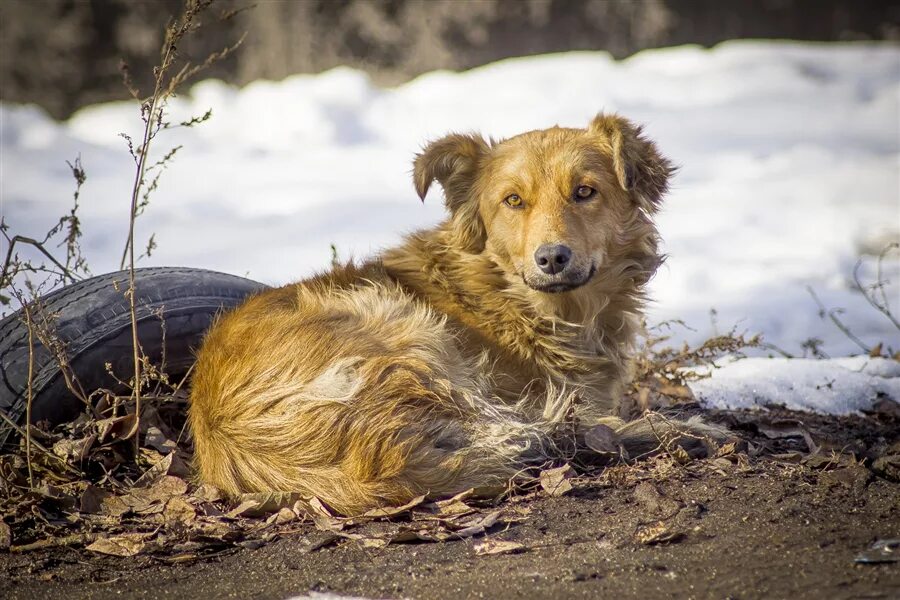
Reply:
x=556 y=481
x=657 y=533
x=492 y=546
x=882 y=551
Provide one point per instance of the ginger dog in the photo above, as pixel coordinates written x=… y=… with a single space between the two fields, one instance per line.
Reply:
x=470 y=352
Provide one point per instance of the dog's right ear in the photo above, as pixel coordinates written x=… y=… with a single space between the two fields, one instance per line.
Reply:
x=454 y=161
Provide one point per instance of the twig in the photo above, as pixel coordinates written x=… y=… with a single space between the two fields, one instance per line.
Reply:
x=832 y=314
x=30 y=393
x=884 y=306
x=22 y=432
x=40 y=246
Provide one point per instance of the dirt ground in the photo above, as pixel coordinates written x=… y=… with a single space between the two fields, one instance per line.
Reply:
x=783 y=523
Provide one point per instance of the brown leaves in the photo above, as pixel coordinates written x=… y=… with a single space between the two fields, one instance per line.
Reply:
x=555 y=481
x=491 y=546
x=657 y=533
x=128 y=544
x=5 y=536
x=257 y=505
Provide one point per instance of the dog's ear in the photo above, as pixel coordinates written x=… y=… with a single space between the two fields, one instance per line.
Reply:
x=639 y=166
x=454 y=161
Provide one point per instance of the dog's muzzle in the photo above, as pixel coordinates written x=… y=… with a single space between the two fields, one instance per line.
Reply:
x=565 y=280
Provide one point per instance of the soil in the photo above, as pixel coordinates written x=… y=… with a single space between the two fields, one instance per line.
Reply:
x=776 y=524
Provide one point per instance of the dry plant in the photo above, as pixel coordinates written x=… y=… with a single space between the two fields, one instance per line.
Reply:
x=875 y=295
x=89 y=455
x=172 y=72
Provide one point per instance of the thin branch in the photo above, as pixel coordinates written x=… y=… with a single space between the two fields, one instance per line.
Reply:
x=868 y=292
x=833 y=315
x=22 y=432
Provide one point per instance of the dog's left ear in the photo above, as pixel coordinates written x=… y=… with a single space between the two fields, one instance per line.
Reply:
x=454 y=160
x=639 y=166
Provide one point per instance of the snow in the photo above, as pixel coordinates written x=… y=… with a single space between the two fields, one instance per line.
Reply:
x=837 y=386
x=789 y=155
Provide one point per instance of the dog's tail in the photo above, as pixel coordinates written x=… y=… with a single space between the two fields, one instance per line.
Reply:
x=656 y=432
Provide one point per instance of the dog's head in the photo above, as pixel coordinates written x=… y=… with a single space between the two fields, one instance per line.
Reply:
x=549 y=206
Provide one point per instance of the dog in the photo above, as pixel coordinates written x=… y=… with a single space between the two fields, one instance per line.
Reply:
x=470 y=352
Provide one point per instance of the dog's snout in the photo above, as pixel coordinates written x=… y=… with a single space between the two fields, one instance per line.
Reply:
x=552 y=258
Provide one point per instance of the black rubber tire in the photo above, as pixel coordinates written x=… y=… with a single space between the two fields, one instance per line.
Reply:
x=92 y=318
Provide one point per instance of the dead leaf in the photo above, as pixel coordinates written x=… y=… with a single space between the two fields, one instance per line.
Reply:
x=155 y=473
x=657 y=533
x=91 y=500
x=178 y=511
x=726 y=449
x=114 y=506
x=680 y=455
x=128 y=544
x=392 y=511
x=477 y=526
x=555 y=481
x=263 y=503
x=318 y=541
x=157 y=440
x=208 y=493
x=603 y=439
x=284 y=515
x=875 y=352
x=5 y=536
x=680 y=392
x=650 y=498
x=492 y=546
x=115 y=428
x=449 y=508
x=74 y=451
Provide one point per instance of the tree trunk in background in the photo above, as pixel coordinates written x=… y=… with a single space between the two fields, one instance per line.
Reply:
x=63 y=54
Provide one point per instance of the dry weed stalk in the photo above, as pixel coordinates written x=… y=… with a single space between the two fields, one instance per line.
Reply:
x=167 y=81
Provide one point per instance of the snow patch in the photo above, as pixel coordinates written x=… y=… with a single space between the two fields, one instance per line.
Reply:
x=840 y=386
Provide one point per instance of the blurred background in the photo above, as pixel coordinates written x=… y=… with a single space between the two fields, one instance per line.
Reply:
x=64 y=54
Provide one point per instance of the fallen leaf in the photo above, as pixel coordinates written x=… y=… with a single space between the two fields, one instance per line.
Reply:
x=477 y=526
x=263 y=503
x=91 y=500
x=284 y=515
x=657 y=533
x=5 y=536
x=491 y=546
x=155 y=473
x=555 y=481
x=115 y=428
x=178 y=511
x=208 y=493
x=603 y=439
x=157 y=440
x=392 y=511
x=128 y=544
x=73 y=450
x=317 y=542
x=649 y=497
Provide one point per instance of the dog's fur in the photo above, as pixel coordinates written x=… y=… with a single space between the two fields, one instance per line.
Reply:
x=452 y=360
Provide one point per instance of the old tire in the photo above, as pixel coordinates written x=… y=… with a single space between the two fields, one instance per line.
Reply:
x=92 y=319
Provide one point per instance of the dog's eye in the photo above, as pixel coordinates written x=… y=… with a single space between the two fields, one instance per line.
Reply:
x=583 y=192
x=513 y=200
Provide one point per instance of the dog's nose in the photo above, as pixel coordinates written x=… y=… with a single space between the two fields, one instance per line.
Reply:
x=552 y=258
